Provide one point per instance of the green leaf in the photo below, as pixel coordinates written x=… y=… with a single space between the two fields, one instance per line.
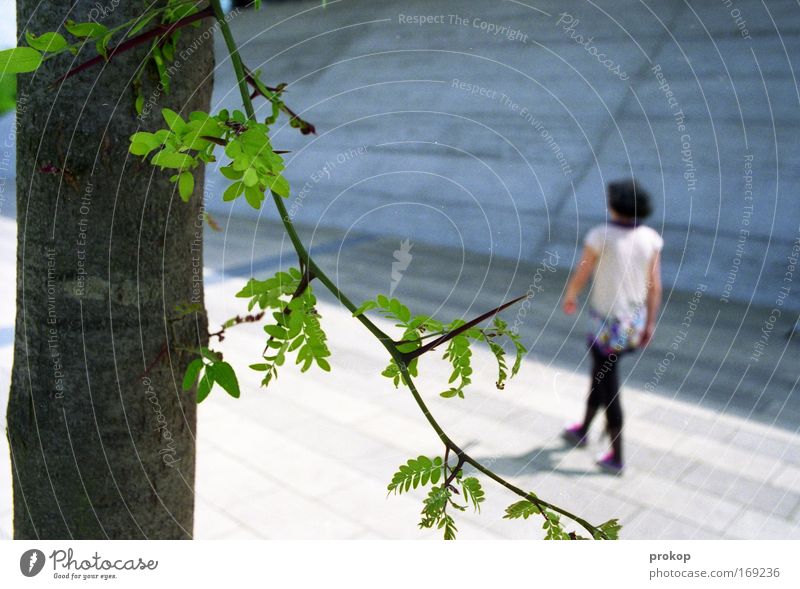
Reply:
x=280 y=186
x=253 y=196
x=19 y=60
x=521 y=509
x=365 y=306
x=297 y=324
x=158 y=59
x=192 y=371
x=138 y=102
x=204 y=386
x=416 y=472
x=434 y=514
x=554 y=529
x=233 y=191
x=102 y=45
x=224 y=375
x=449 y=528
x=172 y=159
x=173 y=120
x=139 y=149
x=459 y=354
x=50 y=42
x=502 y=369
x=211 y=355
x=250 y=177
x=86 y=29
x=473 y=492
x=147 y=141
x=197 y=129
x=276 y=331
x=611 y=528
x=253 y=140
x=141 y=23
x=230 y=173
x=186 y=185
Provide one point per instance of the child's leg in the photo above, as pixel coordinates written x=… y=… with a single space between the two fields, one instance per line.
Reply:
x=614 y=410
x=597 y=392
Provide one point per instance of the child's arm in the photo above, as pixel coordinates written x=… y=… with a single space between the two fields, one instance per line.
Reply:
x=653 y=298
x=579 y=279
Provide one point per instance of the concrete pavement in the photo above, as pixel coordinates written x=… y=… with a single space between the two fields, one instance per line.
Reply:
x=311 y=456
x=701 y=463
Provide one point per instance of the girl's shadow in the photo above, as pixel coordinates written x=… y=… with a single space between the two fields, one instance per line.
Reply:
x=535 y=460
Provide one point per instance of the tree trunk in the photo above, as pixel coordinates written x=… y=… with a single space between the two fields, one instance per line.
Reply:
x=102 y=437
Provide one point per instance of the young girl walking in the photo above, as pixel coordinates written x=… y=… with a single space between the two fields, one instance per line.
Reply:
x=625 y=257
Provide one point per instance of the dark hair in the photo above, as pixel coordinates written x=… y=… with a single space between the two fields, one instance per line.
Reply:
x=629 y=199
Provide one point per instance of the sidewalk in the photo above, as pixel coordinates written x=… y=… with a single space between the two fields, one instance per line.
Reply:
x=311 y=456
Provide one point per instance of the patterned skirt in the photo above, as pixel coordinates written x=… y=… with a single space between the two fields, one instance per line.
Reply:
x=616 y=335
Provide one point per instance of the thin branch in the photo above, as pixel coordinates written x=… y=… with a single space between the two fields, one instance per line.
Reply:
x=162 y=29
x=491 y=474
x=162 y=351
x=306 y=259
x=238 y=320
x=236 y=60
x=400 y=358
x=459 y=330
x=305 y=280
x=454 y=472
x=422 y=337
x=272 y=94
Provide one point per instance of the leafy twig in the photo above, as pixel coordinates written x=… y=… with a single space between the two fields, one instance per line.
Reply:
x=161 y=29
x=273 y=95
x=459 y=330
x=238 y=320
x=399 y=357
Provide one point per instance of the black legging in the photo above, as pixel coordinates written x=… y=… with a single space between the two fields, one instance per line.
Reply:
x=604 y=392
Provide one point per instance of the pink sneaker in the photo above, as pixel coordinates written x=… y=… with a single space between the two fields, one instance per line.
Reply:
x=610 y=464
x=574 y=435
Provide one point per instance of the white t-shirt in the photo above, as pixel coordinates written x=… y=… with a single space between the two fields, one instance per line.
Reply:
x=625 y=254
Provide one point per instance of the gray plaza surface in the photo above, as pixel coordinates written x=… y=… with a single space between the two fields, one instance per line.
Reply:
x=486 y=149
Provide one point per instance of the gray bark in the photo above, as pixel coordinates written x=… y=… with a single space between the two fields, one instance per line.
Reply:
x=102 y=437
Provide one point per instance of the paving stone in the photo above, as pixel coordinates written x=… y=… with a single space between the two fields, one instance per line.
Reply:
x=221 y=478
x=386 y=516
x=702 y=448
x=780 y=448
x=6 y=517
x=293 y=465
x=211 y=523
x=706 y=510
x=345 y=445
x=755 y=495
x=287 y=515
x=688 y=423
x=662 y=525
x=662 y=464
x=752 y=525
x=787 y=477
